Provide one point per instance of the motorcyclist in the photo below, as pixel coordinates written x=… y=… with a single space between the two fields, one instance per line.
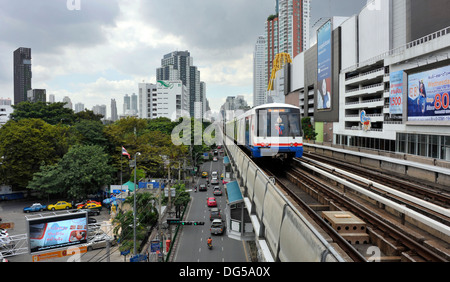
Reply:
x=209 y=242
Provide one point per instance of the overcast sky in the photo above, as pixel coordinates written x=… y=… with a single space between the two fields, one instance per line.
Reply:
x=103 y=50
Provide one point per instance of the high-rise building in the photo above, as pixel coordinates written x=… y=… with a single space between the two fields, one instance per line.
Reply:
x=68 y=102
x=79 y=107
x=51 y=98
x=100 y=110
x=134 y=104
x=37 y=95
x=22 y=74
x=293 y=26
x=126 y=105
x=178 y=65
x=168 y=99
x=114 y=115
x=259 y=77
x=287 y=31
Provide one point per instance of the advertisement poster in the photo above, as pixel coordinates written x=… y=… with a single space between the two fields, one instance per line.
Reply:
x=324 y=66
x=57 y=233
x=396 y=93
x=428 y=95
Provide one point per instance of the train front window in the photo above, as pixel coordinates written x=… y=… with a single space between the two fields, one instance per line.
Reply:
x=283 y=122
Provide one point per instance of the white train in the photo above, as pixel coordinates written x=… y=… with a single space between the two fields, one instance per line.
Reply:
x=270 y=130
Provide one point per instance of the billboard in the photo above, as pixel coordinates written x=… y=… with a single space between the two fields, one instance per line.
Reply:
x=396 y=93
x=324 y=53
x=57 y=231
x=428 y=95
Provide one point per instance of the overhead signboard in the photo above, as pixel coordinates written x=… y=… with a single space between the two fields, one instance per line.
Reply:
x=56 y=231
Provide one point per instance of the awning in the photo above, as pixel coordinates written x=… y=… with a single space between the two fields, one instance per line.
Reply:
x=226 y=160
x=234 y=193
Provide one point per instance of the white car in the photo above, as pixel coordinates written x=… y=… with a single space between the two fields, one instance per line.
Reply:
x=99 y=241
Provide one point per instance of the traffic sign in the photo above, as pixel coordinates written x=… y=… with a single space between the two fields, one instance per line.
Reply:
x=138 y=258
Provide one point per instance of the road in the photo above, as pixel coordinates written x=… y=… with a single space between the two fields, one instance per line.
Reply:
x=192 y=245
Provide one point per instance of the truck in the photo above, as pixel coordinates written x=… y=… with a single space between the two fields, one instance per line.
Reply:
x=217 y=227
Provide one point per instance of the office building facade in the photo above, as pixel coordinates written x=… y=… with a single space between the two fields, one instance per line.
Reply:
x=22 y=74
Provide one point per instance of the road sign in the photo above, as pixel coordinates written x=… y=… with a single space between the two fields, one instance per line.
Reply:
x=138 y=258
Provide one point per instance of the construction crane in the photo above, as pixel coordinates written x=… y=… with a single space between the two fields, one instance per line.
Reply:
x=281 y=59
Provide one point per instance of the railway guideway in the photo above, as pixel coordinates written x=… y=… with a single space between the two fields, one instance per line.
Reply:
x=279 y=226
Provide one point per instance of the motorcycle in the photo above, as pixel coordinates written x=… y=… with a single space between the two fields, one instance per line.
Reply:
x=209 y=246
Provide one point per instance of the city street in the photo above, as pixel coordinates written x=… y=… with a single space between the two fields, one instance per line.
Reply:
x=192 y=245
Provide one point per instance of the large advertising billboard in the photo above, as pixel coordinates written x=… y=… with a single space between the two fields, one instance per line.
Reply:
x=57 y=231
x=396 y=93
x=428 y=95
x=324 y=53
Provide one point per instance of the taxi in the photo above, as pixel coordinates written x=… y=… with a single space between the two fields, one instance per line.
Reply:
x=92 y=206
x=61 y=205
x=204 y=174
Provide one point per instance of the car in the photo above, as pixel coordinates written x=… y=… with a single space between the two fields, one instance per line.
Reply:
x=82 y=204
x=217 y=227
x=61 y=205
x=202 y=187
x=214 y=181
x=36 y=207
x=92 y=206
x=217 y=191
x=100 y=241
x=214 y=174
x=215 y=214
x=215 y=159
x=204 y=174
x=211 y=202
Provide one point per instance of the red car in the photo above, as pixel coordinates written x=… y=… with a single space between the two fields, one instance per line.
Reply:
x=211 y=202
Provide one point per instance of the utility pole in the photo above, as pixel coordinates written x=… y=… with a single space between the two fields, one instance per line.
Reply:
x=134 y=204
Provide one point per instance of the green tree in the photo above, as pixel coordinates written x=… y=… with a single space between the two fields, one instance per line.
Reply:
x=147 y=216
x=89 y=132
x=308 y=130
x=52 y=113
x=27 y=144
x=82 y=171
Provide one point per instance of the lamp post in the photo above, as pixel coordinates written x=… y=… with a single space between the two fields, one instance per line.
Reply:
x=134 y=204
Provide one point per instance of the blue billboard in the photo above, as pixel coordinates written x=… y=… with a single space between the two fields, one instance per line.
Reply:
x=324 y=53
x=428 y=95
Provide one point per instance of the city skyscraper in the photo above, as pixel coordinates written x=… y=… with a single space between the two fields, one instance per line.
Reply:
x=114 y=115
x=259 y=77
x=178 y=65
x=68 y=102
x=126 y=104
x=287 y=31
x=22 y=74
x=79 y=107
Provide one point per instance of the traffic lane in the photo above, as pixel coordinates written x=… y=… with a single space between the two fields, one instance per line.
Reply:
x=192 y=246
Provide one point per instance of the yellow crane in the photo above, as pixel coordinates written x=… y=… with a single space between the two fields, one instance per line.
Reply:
x=280 y=60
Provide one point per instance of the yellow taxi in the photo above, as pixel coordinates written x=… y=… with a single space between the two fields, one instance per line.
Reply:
x=204 y=174
x=93 y=206
x=61 y=205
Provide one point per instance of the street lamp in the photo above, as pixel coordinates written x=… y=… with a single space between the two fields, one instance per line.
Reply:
x=134 y=204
